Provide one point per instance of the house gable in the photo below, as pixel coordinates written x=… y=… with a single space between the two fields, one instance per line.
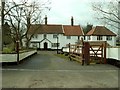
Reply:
x=100 y=31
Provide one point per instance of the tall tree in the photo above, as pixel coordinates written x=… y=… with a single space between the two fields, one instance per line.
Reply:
x=22 y=15
x=87 y=28
x=107 y=13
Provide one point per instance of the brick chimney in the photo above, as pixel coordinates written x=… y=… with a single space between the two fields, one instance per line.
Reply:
x=72 y=21
x=45 y=19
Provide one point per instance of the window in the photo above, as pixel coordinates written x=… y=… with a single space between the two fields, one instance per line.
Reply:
x=88 y=37
x=84 y=37
x=34 y=45
x=55 y=44
x=45 y=36
x=35 y=36
x=54 y=35
x=109 y=38
x=99 y=37
x=68 y=37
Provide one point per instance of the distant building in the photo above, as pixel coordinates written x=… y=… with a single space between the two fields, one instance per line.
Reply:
x=101 y=33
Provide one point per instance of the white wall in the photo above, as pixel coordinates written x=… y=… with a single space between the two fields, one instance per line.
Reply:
x=111 y=42
x=113 y=53
x=61 y=39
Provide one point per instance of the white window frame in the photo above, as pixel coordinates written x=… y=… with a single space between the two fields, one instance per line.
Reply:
x=109 y=38
x=55 y=44
x=55 y=35
x=99 y=37
x=68 y=37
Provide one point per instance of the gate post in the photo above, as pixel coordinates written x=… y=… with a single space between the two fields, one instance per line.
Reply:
x=87 y=52
x=105 y=45
x=69 y=51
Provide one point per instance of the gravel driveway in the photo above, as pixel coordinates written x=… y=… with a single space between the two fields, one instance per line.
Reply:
x=45 y=70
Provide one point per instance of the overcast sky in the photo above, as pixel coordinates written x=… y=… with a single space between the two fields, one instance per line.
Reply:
x=62 y=10
x=81 y=10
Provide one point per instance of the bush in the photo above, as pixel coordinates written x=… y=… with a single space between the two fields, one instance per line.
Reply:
x=7 y=50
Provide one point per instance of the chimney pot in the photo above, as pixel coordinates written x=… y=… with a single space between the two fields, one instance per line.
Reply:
x=72 y=21
x=45 y=19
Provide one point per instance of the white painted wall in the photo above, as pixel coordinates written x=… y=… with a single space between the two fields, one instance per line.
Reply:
x=113 y=53
x=61 y=39
x=13 y=57
x=111 y=42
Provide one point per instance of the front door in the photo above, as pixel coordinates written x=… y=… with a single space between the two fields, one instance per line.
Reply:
x=45 y=46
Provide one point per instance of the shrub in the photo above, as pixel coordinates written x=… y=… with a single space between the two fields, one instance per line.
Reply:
x=7 y=50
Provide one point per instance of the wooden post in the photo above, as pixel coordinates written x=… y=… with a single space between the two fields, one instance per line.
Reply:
x=69 y=50
x=102 y=53
x=82 y=51
x=87 y=52
x=105 y=52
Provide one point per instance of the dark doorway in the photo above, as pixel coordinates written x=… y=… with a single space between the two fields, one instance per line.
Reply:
x=45 y=46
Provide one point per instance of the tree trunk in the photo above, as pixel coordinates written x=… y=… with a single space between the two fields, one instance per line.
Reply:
x=27 y=44
x=21 y=44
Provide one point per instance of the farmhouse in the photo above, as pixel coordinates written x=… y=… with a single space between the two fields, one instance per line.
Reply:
x=52 y=36
x=101 y=33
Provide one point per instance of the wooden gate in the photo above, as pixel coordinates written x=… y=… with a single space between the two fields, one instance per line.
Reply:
x=85 y=52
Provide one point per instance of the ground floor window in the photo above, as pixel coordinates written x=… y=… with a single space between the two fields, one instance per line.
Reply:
x=34 y=45
x=55 y=44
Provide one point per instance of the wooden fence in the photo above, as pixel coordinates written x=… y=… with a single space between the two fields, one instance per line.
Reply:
x=86 y=51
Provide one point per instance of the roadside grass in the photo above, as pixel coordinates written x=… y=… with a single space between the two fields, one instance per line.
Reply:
x=8 y=50
x=62 y=56
x=66 y=57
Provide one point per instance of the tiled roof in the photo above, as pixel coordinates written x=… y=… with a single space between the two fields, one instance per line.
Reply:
x=72 y=30
x=101 y=30
x=48 y=29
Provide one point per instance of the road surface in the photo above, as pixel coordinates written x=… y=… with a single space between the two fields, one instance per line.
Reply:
x=46 y=70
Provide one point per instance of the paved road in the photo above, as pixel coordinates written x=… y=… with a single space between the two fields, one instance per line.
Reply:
x=45 y=70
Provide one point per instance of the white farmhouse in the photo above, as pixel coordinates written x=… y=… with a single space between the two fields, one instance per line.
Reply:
x=52 y=36
x=101 y=33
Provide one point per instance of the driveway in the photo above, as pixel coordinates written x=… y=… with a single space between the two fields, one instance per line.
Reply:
x=46 y=70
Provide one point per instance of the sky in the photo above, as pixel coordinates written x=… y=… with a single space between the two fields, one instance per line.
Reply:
x=62 y=11
x=81 y=10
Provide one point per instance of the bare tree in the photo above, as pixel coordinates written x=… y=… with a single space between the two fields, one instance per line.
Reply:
x=107 y=12
x=22 y=15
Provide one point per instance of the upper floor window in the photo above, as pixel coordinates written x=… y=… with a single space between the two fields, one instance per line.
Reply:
x=68 y=37
x=35 y=36
x=109 y=38
x=88 y=37
x=99 y=37
x=54 y=35
x=45 y=36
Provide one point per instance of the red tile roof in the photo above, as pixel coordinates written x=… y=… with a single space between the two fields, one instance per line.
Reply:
x=72 y=30
x=100 y=30
x=48 y=29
